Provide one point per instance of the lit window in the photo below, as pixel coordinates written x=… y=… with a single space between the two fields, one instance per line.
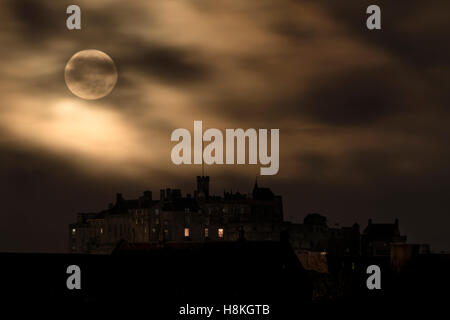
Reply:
x=74 y=231
x=220 y=232
x=206 y=233
x=101 y=230
x=186 y=232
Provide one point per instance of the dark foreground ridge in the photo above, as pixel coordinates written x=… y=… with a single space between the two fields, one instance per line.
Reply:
x=166 y=277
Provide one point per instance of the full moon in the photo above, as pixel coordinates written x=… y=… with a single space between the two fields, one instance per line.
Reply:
x=90 y=74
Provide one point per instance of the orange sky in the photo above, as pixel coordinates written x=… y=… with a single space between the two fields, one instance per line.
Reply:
x=357 y=111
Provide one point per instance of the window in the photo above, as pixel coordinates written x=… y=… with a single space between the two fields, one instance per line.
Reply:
x=74 y=231
x=186 y=232
x=220 y=233
x=101 y=230
x=166 y=229
x=206 y=233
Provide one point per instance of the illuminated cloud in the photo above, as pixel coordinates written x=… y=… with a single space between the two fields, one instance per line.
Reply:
x=362 y=116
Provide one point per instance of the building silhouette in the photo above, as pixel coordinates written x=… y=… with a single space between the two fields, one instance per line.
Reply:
x=258 y=216
x=377 y=238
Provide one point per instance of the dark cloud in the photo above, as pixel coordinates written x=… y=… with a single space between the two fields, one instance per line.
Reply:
x=98 y=64
x=415 y=31
x=294 y=30
x=38 y=19
x=356 y=97
x=177 y=66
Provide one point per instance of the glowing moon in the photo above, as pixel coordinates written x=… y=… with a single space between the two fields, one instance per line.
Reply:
x=90 y=74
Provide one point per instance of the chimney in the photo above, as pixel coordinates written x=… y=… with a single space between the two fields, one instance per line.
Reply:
x=119 y=197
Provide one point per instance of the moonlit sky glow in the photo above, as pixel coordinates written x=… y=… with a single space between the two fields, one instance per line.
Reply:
x=363 y=116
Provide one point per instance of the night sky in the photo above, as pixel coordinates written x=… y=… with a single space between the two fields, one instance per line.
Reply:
x=363 y=115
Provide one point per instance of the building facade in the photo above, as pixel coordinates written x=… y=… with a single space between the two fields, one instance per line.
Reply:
x=204 y=217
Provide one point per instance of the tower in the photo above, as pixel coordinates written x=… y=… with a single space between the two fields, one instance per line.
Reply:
x=203 y=186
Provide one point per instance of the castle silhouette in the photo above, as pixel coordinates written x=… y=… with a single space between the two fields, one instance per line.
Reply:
x=201 y=217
